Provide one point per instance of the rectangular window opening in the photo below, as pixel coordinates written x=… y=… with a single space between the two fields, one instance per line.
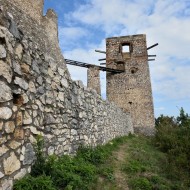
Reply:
x=126 y=48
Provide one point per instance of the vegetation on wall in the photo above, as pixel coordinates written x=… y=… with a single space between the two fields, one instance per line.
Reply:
x=134 y=162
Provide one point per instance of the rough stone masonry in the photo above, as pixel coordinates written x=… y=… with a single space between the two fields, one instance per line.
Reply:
x=38 y=97
x=131 y=90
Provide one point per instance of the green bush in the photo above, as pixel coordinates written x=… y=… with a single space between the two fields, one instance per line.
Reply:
x=95 y=156
x=34 y=183
x=172 y=137
x=40 y=164
x=72 y=171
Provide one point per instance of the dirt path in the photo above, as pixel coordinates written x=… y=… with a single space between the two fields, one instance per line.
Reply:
x=120 y=181
x=120 y=177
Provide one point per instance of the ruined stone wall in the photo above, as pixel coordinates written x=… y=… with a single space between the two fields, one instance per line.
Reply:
x=93 y=79
x=37 y=96
x=131 y=90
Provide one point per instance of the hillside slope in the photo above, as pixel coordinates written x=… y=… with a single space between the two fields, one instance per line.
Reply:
x=126 y=163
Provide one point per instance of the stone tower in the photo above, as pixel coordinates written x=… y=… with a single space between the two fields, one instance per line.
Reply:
x=131 y=90
x=93 y=76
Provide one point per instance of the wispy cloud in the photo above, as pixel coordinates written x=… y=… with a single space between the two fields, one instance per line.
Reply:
x=70 y=36
x=160 y=108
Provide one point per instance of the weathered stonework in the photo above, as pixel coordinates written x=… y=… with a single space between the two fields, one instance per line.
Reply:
x=38 y=97
x=93 y=79
x=131 y=90
x=11 y=164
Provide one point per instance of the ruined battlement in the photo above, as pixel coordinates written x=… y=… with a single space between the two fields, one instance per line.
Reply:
x=33 y=8
x=28 y=15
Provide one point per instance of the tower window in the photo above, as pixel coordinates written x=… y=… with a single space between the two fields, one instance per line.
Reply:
x=126 y=48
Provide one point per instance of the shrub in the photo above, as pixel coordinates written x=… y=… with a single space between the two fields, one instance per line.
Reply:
x=173 y=137
x=40 y=164
x=34 y=183
x=67 y=171
x=95 y=156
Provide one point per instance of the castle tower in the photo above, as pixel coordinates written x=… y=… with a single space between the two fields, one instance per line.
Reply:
x=131 y=90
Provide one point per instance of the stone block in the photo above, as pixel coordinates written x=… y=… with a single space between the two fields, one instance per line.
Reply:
x=11 y=164
x=3 y=52
x=5 y=71
x=19 y=119
x=5 y=113
x=21 y=82
x=19 y=133
x=27 y=118
x=18 y=51
x=29 y=154
x=5 y=92
x=9 y=127
x=3 y=150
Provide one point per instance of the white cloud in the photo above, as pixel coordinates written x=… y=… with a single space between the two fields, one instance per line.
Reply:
x=174 y=84
x=160 y=108
x=72 y=33
x=70 y=36
x=113 y=14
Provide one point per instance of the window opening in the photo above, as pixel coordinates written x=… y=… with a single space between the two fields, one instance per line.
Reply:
x=126 y=48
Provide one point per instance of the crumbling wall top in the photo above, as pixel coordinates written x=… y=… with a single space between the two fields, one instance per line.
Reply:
x=29 y=18
x=34 y=8
x=132 y=37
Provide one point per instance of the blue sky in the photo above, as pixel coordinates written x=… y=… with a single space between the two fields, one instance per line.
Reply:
x=84 y=25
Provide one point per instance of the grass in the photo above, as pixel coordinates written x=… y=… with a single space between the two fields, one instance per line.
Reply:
x=145 y=166
x=132 y=162
x=65 y=172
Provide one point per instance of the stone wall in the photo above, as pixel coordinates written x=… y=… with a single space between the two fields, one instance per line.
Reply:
x=131 y=90
x=38 y=97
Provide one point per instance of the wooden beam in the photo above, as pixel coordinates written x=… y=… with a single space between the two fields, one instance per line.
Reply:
x=152 y=46
x=87 y=65
x=99 y=51
x=151 y=55
x=103 y=59
x=151 y=59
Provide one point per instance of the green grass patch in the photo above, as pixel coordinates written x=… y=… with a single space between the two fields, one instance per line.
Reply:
x=79 y=172
x=146 y=167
